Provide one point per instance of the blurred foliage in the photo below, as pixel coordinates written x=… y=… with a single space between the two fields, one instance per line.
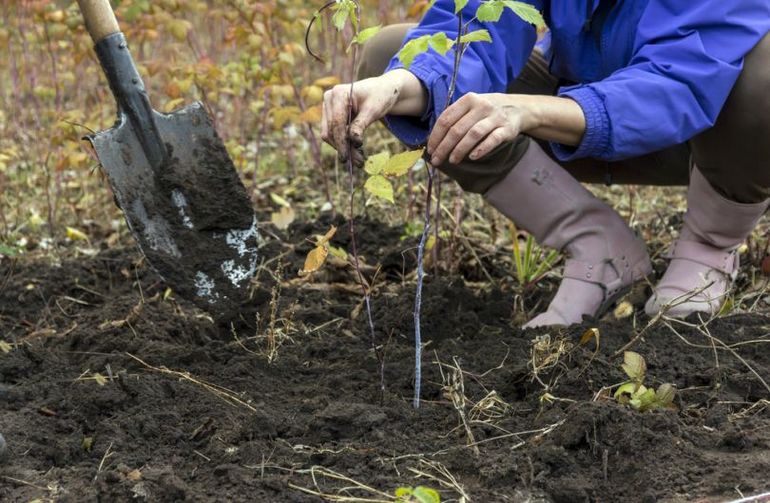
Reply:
x=244 y=59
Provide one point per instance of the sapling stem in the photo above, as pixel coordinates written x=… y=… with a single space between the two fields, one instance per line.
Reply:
x=459 y=48
x=351 y=179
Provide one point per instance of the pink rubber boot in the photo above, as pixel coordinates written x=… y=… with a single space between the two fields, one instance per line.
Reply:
x=605 y=257
x=704 y=260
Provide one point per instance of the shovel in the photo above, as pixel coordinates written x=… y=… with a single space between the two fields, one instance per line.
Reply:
x=175 y=183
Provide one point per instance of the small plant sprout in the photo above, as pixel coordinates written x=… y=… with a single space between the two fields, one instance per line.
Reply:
x=634 y=393
x=419 y=494
x=531 y=263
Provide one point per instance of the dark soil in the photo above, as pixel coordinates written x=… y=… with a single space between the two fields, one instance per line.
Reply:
x=188 y=413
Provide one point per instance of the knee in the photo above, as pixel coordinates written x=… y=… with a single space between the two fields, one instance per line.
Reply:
x=377 y=52
x=479 y=176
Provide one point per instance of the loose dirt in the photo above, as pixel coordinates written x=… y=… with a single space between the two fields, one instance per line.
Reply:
x=188 y=410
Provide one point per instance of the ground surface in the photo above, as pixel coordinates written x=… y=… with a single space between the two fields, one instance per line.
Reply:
x=189 y=413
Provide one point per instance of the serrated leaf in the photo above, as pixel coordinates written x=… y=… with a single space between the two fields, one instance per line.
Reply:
x=634 y=366
x=460 y=5
x=340 y=17
x=375 y=163
x=476 y=36
x=412 y=49
x=400 y=164
x=366 y=34
x=440 y=43
x=490 y=12
x=526 y=12
x=5 y=347
x=379 y=186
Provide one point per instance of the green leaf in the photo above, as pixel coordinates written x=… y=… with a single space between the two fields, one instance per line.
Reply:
x=343 y=10
x=375 y=163
x=460 y=5
x=379 y=186
x=403 y=492
x=665 y=395
x=400 y=164
x=644 y=401
x=476 y=36
x=366 y=34
x=8 y=251
x=634 y=366
x=412 y=49
x=426 y=495
x=490 y=12
x=625 y=391
x=440 y=43
x=526 y=12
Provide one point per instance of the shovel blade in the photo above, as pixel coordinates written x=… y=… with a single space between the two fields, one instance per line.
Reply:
x=192 y=218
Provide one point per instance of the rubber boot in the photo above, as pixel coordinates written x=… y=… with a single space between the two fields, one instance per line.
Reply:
x=704 y=259
x=605 y=257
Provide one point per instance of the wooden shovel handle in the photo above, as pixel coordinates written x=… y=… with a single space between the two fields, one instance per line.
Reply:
x=100 y=18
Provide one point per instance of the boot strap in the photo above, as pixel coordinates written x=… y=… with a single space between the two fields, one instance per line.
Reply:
x=723 y=261
x=595 y=273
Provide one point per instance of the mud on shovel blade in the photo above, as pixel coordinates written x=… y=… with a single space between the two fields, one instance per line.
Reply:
x=175 y=182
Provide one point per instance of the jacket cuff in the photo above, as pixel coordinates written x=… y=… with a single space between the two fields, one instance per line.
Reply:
x=596 y=139
x=414 y=131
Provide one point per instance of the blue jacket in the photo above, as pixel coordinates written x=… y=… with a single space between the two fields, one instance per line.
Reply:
x=650 y=73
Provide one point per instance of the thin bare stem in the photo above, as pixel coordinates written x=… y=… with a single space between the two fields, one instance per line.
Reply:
x=426 y=230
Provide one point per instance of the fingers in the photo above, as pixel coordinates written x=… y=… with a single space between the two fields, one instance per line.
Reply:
x=494 y=139
x=474 y=135
x=340 y=111
x=454 y=136
x=448 y=119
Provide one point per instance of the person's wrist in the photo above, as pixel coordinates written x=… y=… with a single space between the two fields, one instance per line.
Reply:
x=412 y=97
x=531 y=115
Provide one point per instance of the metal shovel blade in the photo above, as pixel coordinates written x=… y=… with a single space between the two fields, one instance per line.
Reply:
x=192 y=218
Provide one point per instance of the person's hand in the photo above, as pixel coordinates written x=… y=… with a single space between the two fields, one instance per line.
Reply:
x=398 y=92
x=475 y=125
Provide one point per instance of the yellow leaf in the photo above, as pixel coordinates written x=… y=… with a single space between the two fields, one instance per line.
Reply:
x=624 y=310
x=5 y=347
x=400 y=164
x=100 y=379
x=375 y=163
x=327 y=81
x=283 y=218
x=324 y=240
x=634 y=366
x=179 y=28
x=134 y=475
x=280 y=201
x=313 y=95
x=311 y=116
x=168 y=293
x=76 y=235
x=315 y=260
x=172 y=105
x=379 y=186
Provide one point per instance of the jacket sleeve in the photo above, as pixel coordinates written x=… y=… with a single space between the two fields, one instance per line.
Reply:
x=687 y=58
x=485 y=67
